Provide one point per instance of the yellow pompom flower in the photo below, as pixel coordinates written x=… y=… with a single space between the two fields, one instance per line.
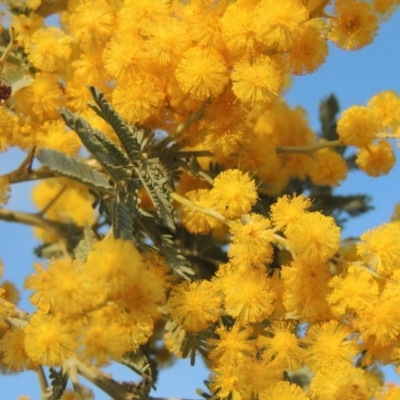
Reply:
x=49 y=49
x=5 y=191
x=284 y=391
x=138 y=97
x=251 y=241
x=25 y=26
x=8 y=125
x=282 y=346
x=194 y=305
x=307 y=51
x=385 y=105
x=233 y=193
x=314 y=237
x=13 y=352
x=48 y=340
x=288 y=210
x=380 y=248
x=376 y=159
x=327 y=168
x=194 y=220
x=357 y=126
x=202 y=73
x=329 y=344
x=276 y=22
x=355 y=25
x=259 y=81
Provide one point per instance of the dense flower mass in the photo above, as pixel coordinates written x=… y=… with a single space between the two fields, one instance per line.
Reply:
x=185 y=209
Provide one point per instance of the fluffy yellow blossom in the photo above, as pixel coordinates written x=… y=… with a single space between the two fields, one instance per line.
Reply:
x=282 y=346
x=194 y=220
x=14 y=355
x=232 y=346
x=352 y=292
x=276 y=23
x=257 y=82
x=225 y=381
x=357 y=126
x=345 y=382
x=386 y=105
x=327 y=168
x=380 y=248
x=284 y=391
x=376 y=159
x=194 y=305
x=90 y=68
x=355 y=25
x=48 y=340
x=138 y=97
x=234 y=193
x=307 y=51
x=288 y=210
x=8 y=127
x=49 y=49
x=251 y=241
x=314 y=237
x=329 y=344
x=25 y=26
x=202 y=73
x=5 y=191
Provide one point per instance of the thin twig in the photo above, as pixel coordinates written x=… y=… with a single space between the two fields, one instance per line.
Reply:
x=52 y=201
x=41 y=173
x=42 y=379
x=191 y=119
x=308 y=149
x=8 y=49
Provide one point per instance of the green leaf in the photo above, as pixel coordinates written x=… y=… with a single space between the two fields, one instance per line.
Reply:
x=86 y=245
x=73 y=168
x=122 y=221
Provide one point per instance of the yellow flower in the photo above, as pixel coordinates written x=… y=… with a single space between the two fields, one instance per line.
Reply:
x=380 y=248
x=307 y=51
x=13 y=352
x=194 y=305
x=8 y=127
x=276 y=23
x=138 y=97
x=257 y=82
x=282 y=346
x=284 y=391
x=232 y=346
x=234 y=193
x=25 y=26
x=202 y=73
x=288 y=210
x=376 y=159
x=5 y=191
x=385 y=105
x=329 y=344
x=314 y=237
x=327 y=168
x=251 y=241
x=355 y=25
x=357 y=126
x=48 y=340
x=49 y=49
x=225 y=382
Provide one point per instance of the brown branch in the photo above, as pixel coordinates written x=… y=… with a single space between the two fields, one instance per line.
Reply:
x=49 y=7
x=41 y=173
x=308 y=149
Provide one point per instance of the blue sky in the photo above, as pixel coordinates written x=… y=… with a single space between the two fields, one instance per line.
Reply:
x=354 y=77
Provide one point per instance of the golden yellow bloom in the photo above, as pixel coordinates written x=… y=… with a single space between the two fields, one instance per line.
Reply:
x=125 y=54
x=257 y=82
x=344 y=382
x=355 y=25
x=276 y=23
x=314 y=237
x=91 y=22
x=90 y=68
x=380 y=248
x=233 y=193
x=288 y=210
x=225 y=381
x=282 y=346
x=138 y=97
x=25 y=26
x=284 y=391
x=202 y=73
x=5 y=191
x=251 y=241
x=232 y=346
x=385 y=105
x=8 y=127
x=224 y=141
x=390 y=392
x=195 y=221
x=194 y=305
x=248 y=296
x=327 y=168
x=48 y=340
x=352 y=292
x=376 y=159
x=49 y=49
x=307 y=51
x=329 y=344
x=385 y=7
x=357 y=126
